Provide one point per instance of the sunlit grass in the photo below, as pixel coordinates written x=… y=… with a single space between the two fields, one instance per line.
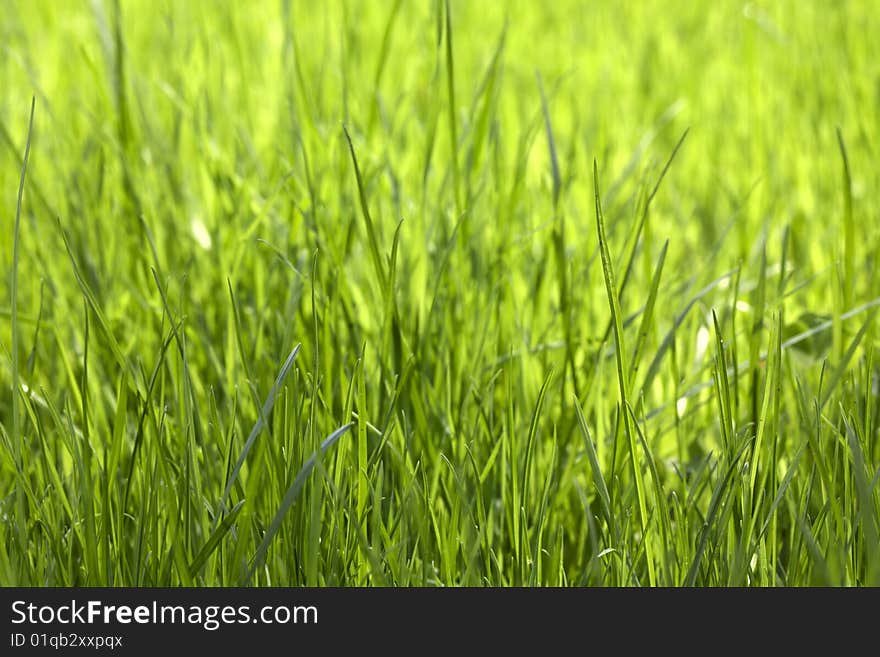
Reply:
x=573 y=293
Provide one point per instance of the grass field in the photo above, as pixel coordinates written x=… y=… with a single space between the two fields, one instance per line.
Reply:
x=426 y=293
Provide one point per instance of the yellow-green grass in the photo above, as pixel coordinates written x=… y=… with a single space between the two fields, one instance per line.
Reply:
x=439 y=293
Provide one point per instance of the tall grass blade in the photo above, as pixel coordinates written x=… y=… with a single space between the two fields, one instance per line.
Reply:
x=372 y=239
x=849 y=229
x=265 y=411
x=289 y=498
x=17 y=437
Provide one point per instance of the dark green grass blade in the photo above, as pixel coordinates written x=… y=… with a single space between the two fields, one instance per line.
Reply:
x=647 y=314
x=290 y=498
x=190 y=397
x=816 y=553
x=139 y=433
x=372 y=239
x=239 y=340
x=868 y=510
x=767 y=419
x=260 y=423
x=598 y=477
x=783 y=487
x=757 y=329
x=95 y=306
x=363 y=481
x=610 y=287
x=213 y=541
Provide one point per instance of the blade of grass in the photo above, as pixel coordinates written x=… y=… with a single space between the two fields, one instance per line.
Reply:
x=714 y=507
x=259 y=424
x=382 y=59
x=530 y=440
x=849 y=232
x=647 y=314
x=214 y=539
x=559 y=245
x=841 y=369
x=84 y=452
x=640 y=227
x=289 y=498
x=372 y=239
x=95 y=306
x=659 y=495
x=868 y=510
x=722 y=385
x=614 y=304
x=363 y=475
x=487 y=93
x=17 y=437
x=598 y=478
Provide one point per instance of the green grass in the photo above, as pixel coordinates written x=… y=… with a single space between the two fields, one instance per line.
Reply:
x=439 y=293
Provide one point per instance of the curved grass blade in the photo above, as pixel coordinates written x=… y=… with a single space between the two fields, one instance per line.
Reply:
x=16 y=383
x=368 y=220
x=866 y=502
x=640 y=227
x=290 y=498
x=260 y=423
x=214 y=541
x=654 y=368
x=93 y=303
x=840 y=371
x=647 y=314
x=598 y=478
x=533 y=431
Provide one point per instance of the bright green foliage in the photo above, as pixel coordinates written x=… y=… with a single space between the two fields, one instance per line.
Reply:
x=333 y=294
